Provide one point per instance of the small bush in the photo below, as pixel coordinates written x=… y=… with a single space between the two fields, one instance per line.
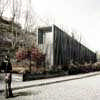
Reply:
x=73 y=69
x=83 y=68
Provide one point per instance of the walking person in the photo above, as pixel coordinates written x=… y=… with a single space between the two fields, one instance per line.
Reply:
x=8 y=77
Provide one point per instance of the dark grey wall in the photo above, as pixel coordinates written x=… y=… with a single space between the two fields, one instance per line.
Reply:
x=67 y=48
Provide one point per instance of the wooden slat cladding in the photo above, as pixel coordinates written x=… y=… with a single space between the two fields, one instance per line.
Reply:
x=66 y=48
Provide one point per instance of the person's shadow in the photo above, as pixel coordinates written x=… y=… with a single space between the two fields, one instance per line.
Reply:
x=22 y=94
x=25 y=93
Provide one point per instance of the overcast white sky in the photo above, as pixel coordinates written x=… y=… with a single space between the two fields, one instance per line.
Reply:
x=81 y=15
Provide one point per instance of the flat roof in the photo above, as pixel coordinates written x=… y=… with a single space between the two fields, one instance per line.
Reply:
x=45 y=29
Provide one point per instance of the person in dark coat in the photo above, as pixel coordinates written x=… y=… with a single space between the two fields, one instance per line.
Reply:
x=8 y=77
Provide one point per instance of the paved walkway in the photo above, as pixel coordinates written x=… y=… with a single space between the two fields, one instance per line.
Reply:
x=34 y=83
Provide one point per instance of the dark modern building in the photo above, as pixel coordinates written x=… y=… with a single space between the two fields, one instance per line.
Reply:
x=61 y=48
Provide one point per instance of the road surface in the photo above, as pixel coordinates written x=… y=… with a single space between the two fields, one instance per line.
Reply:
x=80 y=89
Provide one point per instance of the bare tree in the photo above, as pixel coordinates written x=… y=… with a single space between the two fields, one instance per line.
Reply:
x=29 y=25
x=3 y=6
x=18 y=35
x=15 y=12
x=15 y=9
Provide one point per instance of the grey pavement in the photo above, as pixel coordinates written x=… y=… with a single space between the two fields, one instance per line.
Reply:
x=22 y=85
x=80 y=87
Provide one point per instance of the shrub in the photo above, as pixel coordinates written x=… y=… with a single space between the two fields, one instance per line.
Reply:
x=73 y=69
